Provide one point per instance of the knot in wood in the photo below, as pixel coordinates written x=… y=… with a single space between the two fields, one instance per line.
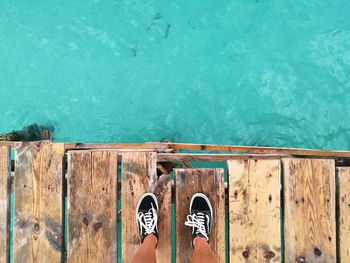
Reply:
x=86 y=220
x=36 y=228
x=300 y=260
x=245 y=254
x=269 y=254
x=317 y=252
x=97 y=226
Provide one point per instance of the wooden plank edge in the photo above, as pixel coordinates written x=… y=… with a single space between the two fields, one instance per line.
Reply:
x=90 y=146
x=7 y=143
x=13 y=144
x=215 y=157
x=255 y=149
x=173 y=157
x=109 y=150
x=342 y=205
x=158 y=146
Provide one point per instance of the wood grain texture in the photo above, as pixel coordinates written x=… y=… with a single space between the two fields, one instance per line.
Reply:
x=138 y=177
x=253 y=149
x=211 y=183
x=92 y=206
x=157 y=146
x=119 y=146
x=344 y=213
x=7 y=144
x=163 y=192
x=38 y=235
x=197 y=157
x=309 y=210
x=5 y=170
x=254 y=210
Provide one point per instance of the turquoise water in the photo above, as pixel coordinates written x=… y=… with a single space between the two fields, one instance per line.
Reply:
x=252 y=72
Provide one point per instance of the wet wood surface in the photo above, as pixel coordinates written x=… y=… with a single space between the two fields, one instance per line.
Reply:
x=92 y=207
x=5 y=170
x=309 y=210
x=344 y=213
x=211 y=183
x=254 y=211
x=38 y=235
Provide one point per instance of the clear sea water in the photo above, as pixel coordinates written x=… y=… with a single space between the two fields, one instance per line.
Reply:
x=251 y=72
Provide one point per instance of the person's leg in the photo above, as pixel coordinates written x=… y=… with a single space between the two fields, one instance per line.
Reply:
x=146 y=219
x=202 y=252
x=201 y=220
x=147 y=251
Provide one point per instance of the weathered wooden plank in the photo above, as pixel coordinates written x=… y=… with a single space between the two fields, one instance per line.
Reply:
x=92 y=206
x=8 y=144
x=253 y=149
x=173 y=157
x=138 y=176
x=207 y=147
x=38 y=179
x=163 y=193
x=120 y=146
x=309 y=210
x=5 y=170
x=242 y=212
x=211 y=183
x=344 y=213
x=254 y=209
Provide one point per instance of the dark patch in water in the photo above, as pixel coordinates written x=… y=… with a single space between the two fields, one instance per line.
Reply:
x=157 y=16
x=167 y=31
x=134 y=51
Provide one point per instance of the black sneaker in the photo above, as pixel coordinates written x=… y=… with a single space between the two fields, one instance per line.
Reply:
x=147 y=215
x=200 y=217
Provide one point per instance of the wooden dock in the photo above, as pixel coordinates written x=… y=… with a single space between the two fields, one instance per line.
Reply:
x=270 y=204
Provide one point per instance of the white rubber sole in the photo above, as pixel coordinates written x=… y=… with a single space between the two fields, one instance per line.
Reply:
x=209 y=204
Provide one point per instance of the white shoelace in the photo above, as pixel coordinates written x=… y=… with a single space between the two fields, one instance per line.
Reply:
x=150 y=219
x=198 y=221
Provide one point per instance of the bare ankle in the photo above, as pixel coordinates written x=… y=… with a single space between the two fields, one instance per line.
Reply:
x=151 y=239
x=199 y=241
